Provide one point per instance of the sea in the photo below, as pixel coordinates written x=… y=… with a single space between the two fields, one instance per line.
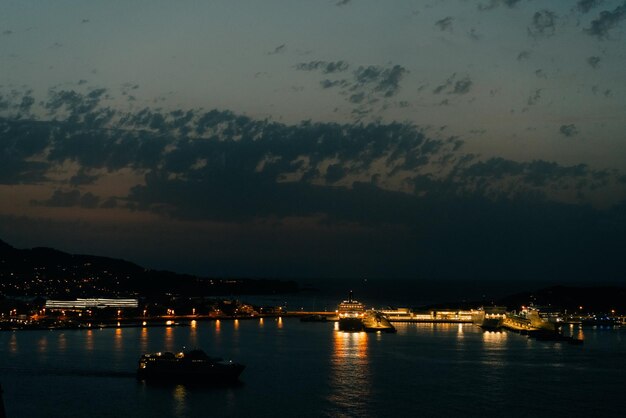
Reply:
x=304 y=369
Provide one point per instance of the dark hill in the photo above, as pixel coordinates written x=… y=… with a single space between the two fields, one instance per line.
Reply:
x=49 y=272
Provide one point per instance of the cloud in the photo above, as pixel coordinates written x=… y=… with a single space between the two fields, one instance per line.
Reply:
x=445 y=23
x=392 y=191
x=524 y=55
x=325 y=67
x=342 y=2
x=534 y=97
x=594 y=61
x=543 y=23
x=82 y=178
x=382 y=80
x=202 y=164
x=7 y=32
x=454 y=86
x=492 y=4
x=278 y=50
x=364 y=87
x=568 y=130
x=462 y=86
x=584 y=6
x=606 y=21
x=71 y=198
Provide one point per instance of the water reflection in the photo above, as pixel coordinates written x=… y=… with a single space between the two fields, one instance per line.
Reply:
x=193 y=334
x=350 y=374
x=62 y=342
x=180 y=399
x=494 y=339
x=42 y=344
x=494 y=356
x=169 y=339
x=280 y=322
x=143 y=340
x=89 y=340
x=118 y=340
x=13 y=343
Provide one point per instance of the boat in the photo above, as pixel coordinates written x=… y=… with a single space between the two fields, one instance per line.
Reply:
x=194 y=365
x=489 y=318
x=350 y=313
x=528 y=320
x=374 y=321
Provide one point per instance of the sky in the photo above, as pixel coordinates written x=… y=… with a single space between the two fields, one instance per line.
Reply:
x=448 y=139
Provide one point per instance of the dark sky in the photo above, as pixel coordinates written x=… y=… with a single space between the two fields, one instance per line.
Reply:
x=451 y=139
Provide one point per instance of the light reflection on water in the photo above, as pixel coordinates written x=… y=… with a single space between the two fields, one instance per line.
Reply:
x=180 y=399
x=344 y=374
x=42 y=344
x=143 y=340
x=62 y=342
x=89 y=340
x=168 y=340
x=350 y=373
x=118 y=341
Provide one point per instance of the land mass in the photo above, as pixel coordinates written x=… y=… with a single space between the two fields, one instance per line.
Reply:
x=50 y=273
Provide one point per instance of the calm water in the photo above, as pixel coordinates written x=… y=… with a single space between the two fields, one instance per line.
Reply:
x=310 y=369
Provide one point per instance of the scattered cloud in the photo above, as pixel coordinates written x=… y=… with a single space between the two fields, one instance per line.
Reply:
x=445 y=23
x=72 y=198
x=364 y=86
x=278 y=50
x=543 y=24
x=492 y=4
x=584 y=6
x=325 y=67
x=594 y=61
x=452 y=85
x=606 y=21
x=568 y=130
x=534 y=97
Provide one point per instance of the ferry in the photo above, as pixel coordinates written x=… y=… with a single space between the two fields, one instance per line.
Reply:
x=489 y=318
x=193 y=365
x=351 y=313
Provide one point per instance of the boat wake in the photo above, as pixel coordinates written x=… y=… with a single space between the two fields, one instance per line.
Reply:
x=66 y=372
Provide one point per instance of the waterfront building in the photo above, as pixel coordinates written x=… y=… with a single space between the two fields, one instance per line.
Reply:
x=90 y=303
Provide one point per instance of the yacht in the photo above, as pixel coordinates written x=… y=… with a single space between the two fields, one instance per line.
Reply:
x=193 y=365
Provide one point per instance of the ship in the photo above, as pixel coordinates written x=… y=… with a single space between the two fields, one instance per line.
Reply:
x=529 y=320
x=350 y=313
x=194 y=365
x=489 y=318
x=374 y=321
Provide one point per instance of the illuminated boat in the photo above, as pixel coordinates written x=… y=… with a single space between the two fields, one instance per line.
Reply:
x=489 y=318
x=193 y=365
x=350 y=313
x=374 y=321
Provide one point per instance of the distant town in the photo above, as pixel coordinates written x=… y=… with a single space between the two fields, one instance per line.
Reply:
x=44 y=288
